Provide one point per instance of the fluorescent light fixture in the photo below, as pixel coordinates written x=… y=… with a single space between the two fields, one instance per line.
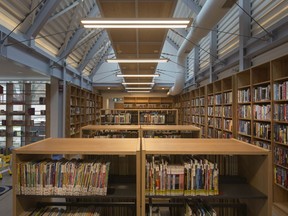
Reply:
x=137 y=75
x=138 y=91
x=161 y=60
x=135 y=23
x=138 y=88
x=136 y=26
x=138 y=83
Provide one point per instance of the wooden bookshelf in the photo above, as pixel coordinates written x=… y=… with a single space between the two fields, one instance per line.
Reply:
x=259 y=114
x=279 y=87
x=253 y=165
x=148 y=102
x=80 y=148
x=82 y=108
x=110 y=131
x=170 y=131
x=139 y=116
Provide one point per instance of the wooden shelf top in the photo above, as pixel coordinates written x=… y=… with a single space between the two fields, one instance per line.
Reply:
x=170 y=127
x=83 y=146
x=200 y=146
x=111 y=127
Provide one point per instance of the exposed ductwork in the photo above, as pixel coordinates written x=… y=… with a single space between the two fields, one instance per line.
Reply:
x=211 y=13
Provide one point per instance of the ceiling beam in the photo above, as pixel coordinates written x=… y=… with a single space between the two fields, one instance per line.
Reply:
x=92 y=51
x=74 y=4
x=42 y=17
x=66 y=50
x=96 y=68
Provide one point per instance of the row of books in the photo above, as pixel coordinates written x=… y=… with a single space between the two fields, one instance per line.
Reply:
x=152 y=118
x=262 y=130
x=244 y=111
x=262 y=144
x=281 y=133
x=227 y=98
x=200 y=209
x=281 y=91
x=281 y=156
x=218 y=123
x=210 y=111
x=210 y=100
x=218 y=111
x=244 y=95
x=218 y=99
x=281 y=112
x=228 y=123
x=62 y=177
x=262 y=112
x=49 y=211
x=262 y=93
x=281 y=176
x=245 y=127
x=195 y=177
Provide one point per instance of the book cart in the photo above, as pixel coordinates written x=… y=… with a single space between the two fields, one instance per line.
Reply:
x=123 y=191
x=170 y=131
x=110 y=131
x=249 y=189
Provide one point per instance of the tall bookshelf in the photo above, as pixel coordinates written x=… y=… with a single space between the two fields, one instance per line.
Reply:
x=252 y=167
x=210 y=111
x=261 y=105
x=82 y=108
x=244 y=106
x=259 y=108
x=279 y=71
x=202 y=111
x=24 y=114
x=123 y=194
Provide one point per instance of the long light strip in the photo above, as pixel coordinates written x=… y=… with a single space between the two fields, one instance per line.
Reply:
x=138 y=88
x=137 y=75
x=161 y=60
x=138 y=83
x=138 y=91
x=136 y=26
x=135 y=23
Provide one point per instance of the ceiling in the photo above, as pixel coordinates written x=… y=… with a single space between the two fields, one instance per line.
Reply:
x=62 y=35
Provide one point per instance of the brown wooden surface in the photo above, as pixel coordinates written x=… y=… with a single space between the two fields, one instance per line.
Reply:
x=200 y=146
x=82 y=146
x=170 y=127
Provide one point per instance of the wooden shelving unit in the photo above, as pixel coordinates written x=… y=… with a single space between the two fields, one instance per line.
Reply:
x=139 y=116
x=110 y=131
x=253 y=165
x=82 y=108
x=148 y=102
x=82 y=148
x=259 y=116
x=24 y=114
x=170 y=131
x=279 y=136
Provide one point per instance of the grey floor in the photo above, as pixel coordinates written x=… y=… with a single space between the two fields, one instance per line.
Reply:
x=6 y=199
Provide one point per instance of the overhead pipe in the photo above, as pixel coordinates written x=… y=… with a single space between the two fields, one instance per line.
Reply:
x=211 y=13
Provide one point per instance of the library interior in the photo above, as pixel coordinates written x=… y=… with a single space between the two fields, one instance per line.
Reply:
x=144 y=107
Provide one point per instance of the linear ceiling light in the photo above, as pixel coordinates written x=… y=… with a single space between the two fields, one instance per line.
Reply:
x=138 y=83
x=137 y=75
x=138 y=91
x=135 y=23
x=138 y=88
x=161 y=60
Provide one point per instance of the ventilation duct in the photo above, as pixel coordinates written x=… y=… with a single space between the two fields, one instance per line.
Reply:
x=211 y=13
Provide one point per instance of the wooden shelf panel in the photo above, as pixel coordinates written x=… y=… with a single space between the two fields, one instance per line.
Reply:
x=82 y=146
x=201 y=146
x=170 y=127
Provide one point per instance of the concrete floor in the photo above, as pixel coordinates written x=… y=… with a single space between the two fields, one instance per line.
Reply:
x=6 y=199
